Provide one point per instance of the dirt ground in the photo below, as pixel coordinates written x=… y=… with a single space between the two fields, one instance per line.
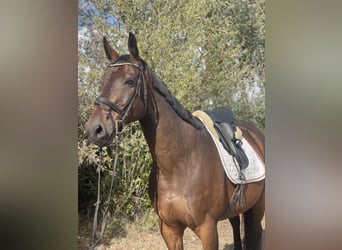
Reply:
x=134 y=236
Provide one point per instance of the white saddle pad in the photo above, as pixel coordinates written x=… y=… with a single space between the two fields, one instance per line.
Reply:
x=253 y=173
x=256 y=168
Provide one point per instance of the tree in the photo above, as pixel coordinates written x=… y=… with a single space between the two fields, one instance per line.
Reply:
x=209 y=53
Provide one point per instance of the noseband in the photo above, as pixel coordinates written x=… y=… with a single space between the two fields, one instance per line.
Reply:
x=123 y=112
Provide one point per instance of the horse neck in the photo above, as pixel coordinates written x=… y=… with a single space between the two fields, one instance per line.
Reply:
x=165 y=132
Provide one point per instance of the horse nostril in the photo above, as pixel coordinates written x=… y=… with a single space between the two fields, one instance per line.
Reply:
x=98 y=129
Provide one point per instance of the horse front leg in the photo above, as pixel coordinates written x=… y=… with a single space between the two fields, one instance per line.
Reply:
x=207 y=232
x=173 y=236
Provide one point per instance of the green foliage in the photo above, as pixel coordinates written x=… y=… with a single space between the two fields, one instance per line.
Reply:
x=209 y=53
x=130 y=178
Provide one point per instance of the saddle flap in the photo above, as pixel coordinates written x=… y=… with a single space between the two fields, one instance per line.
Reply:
x=226 y=130
x=223 y=119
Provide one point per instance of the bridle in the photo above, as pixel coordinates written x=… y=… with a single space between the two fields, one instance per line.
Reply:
x=124 y=111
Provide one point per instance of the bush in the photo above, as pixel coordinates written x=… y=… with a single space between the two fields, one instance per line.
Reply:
x=130 y=196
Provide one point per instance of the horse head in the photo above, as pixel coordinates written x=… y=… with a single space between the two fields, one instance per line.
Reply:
x=123 y=94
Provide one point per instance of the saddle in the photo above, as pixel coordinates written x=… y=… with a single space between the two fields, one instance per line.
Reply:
x=229 y=134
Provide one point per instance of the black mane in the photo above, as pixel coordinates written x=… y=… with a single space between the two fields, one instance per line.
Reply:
x=182 y=112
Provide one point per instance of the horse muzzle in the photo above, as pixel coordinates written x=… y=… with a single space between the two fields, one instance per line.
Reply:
x=99 y=135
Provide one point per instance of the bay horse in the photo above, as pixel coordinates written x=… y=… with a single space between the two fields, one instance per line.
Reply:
x=187 y=185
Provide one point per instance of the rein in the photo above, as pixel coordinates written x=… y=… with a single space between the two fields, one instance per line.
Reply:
x=107 y=203
x=123 y=112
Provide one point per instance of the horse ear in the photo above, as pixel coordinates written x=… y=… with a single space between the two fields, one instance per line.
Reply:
x=133 y=48
x=110 y=52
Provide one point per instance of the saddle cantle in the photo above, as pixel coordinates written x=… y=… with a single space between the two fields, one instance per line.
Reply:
x=229 y=134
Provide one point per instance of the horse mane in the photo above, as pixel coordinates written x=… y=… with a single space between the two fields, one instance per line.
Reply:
x=182 y=112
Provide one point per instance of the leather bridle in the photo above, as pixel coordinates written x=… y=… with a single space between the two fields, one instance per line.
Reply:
x=117 y=125
x=124 y=111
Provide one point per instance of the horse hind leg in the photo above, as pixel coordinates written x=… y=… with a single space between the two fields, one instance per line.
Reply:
x=235 y=222
x=252 y=222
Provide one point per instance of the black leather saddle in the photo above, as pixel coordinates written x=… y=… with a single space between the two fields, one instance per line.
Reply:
x=223 y=119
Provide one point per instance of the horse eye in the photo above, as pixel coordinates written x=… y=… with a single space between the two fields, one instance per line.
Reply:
x=130 y=82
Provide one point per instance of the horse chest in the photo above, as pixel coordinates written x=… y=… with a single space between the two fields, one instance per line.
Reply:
x=174 y=209
x=171 y=203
